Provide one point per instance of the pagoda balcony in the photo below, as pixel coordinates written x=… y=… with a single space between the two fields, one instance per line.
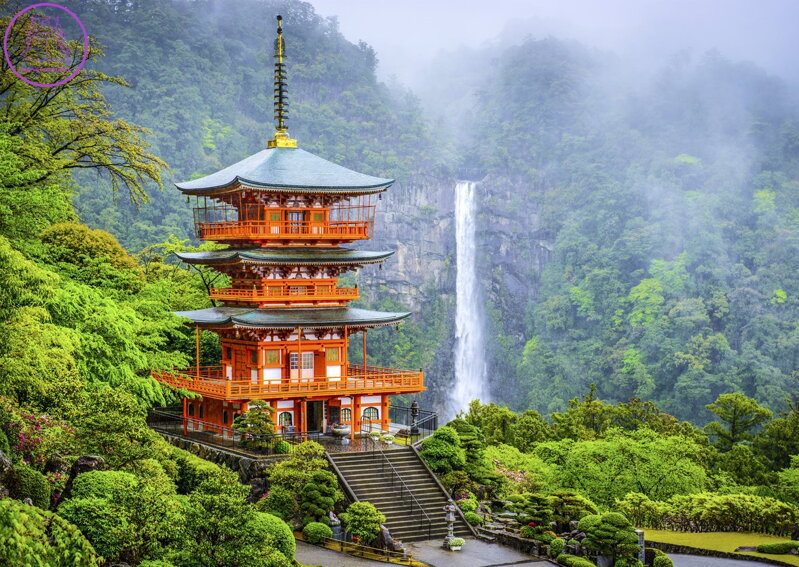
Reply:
x=293 y=294
x=326 y=232
x=210 y=382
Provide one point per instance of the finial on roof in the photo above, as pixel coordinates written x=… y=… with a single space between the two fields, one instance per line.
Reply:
x=281 y=139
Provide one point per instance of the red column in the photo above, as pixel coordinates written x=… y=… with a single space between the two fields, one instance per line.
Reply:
x=185 y=417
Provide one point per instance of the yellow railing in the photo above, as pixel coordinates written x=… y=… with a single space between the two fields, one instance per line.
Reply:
x=284 y=230
x=210 y=382
x=286 y=293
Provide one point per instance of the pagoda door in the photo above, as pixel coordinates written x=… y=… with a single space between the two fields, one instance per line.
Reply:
x=307 y=365
x=296 y=221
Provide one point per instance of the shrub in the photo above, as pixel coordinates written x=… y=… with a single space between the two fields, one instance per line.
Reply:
x=155 y=563
x=274 y=532
x=556 y=547
x=280 y=502
x=662 y=561
x=319 y=496
x=316 y=532
x=573 y=561
x=473 y=519
x=778 y=548
x=29 y=483
x=609 y=534
x=468 y=504
x=103 y=484
x=193 y=471
x=4 y=446
x=101 y=522
x=443 y=452
x=362 y=519
x=628 y=561
x=457 y=542
x=531 y=507
x=567 y=506
x=282 y=448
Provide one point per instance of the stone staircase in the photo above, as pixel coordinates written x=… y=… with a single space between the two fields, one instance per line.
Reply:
x=370 y=479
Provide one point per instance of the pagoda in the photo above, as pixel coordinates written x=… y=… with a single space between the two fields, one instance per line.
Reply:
x=285 y=324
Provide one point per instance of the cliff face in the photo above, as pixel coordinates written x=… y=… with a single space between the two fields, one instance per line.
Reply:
x=417 y=219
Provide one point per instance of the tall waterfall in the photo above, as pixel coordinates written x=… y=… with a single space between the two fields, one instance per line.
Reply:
x=470 y=365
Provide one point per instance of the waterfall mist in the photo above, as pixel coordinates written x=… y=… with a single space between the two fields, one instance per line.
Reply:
x=470 y=364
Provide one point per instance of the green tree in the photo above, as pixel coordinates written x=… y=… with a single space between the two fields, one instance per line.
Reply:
x=739 y=415
x=442 y=451
x=362 y=519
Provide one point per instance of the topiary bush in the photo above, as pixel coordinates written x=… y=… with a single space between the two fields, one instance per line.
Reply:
x=609 y=534
x=101 y=522
x=628 y=561
x=442 y=451
x=467 y=503
x=26 y=482
x=662 y=561
x=318 y=497
x=282 y=448
x=574 y=561
x=778 y=548
x=103 y=484
x=362 y=519
x=316 y=532
x=556 y=547
x=273 y=532
x=280 y=502
x=473 y=519
x=193 y=471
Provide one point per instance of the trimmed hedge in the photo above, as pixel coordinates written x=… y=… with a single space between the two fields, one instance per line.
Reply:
x=315 y=532
x=556 y=547
x=473 y=519
x=282 y=448
x=27 y=482
x=662 y=561
x=574 y=561
x=778 y=548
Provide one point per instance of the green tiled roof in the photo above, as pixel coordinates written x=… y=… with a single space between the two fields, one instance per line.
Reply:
x=281 y=169
x=290 y=318
x=286 y=256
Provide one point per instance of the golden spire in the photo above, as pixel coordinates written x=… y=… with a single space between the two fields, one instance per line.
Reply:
x=281 y=139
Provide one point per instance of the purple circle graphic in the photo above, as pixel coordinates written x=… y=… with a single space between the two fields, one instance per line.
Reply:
x=85 y=45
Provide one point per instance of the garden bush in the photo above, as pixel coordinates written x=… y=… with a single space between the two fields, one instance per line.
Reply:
x=282 y=448
x=103 y=484
x=280 y=502
x=567 y=506
x=662 y=561
x=273 y=532
x=443 y=452
x=316 y=532
x=318 y=497
x=362 y=519
x=627 y=561
x=4 y=445
x=531 y=507
x=473 y=519
x=102 y=524
x=778 y=548
x=27 y=482
x=574 y=561
x=192 y=471
x=556 y=547
x=609 y=534
x=467 y=502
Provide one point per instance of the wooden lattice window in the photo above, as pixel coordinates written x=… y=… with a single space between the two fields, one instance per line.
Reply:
x=332 y=354
x=370 y=413
x=346 y=415
x=284 y=418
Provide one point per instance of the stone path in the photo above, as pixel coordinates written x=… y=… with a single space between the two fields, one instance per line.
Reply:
x=475 y=553
x=702 y=561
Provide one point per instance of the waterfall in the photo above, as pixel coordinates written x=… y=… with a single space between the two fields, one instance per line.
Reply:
x=470 y=365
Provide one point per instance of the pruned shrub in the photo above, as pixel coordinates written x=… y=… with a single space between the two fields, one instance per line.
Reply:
x=662 y=561
x=443 y=452
x=316 y=532
x=280 y=502
x=362 y=519
x=556 y=547
x=273 y=532
x=318 y=497
x=609 y=534
x=778 y=548
x=573 y=561
x=473 y=519
x=282 y=448
x=467 y=503
x=27 y=482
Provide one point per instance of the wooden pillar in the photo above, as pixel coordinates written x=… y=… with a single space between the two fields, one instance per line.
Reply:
x=384 y=421
x=299 y=353
x=185 y=417
x=356 y=415
x=304 y=412
x=345 y=359
x=364 y=351
x=197 y=349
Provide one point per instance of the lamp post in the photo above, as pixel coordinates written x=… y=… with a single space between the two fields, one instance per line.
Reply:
x=414 y=418
x=641 y=552
x=450 y=519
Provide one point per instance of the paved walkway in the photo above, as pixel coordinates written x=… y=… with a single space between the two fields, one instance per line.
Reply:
x=313 y=555
x=475 y=553
x=702 y=561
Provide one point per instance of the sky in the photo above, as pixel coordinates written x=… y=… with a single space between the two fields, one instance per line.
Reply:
x=407 y=34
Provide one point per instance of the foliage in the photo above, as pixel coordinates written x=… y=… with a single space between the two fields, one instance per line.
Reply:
x=192 y=471
x=27 y=482
x=531 y=509
x=457 y=542
x=662 y=560
x=280 y=502
x=257 y=420
x=556 y=547
x=442 y=451
x=282 y=448
x=609 y=534
x=35 y=435
x=740 y=415
x=473 y=519
x=306 y=459
x=32 y=536
x=273 y=532
x=573 y=561
x=362 y=519
x=315 y=532
x=567 y=506
x=778 y=548
x=318 y=497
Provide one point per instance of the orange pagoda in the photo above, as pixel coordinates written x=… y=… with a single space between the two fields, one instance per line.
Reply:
x=285 y=323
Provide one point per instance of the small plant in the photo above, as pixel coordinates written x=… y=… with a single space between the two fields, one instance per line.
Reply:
x=363 y=521
x=282 y=448
x=574 y=561
x=473 y=519
x=778 y=548
x=316 y=532
x=456 y=542
x=662 y=561
x=556 y=547
x=389 y=438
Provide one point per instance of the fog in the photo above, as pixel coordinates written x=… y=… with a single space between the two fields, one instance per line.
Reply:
x=408 y=34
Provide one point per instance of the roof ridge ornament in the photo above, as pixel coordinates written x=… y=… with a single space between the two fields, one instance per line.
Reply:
x=281 y=138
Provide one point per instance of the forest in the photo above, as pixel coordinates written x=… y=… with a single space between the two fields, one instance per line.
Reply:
x=643 y=308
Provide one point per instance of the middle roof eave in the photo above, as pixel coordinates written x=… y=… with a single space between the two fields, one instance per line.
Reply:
x=287 y=256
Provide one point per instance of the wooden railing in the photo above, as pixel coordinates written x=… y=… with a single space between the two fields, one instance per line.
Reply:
x=210 y=382
x=286 y=293
x=284 y=230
